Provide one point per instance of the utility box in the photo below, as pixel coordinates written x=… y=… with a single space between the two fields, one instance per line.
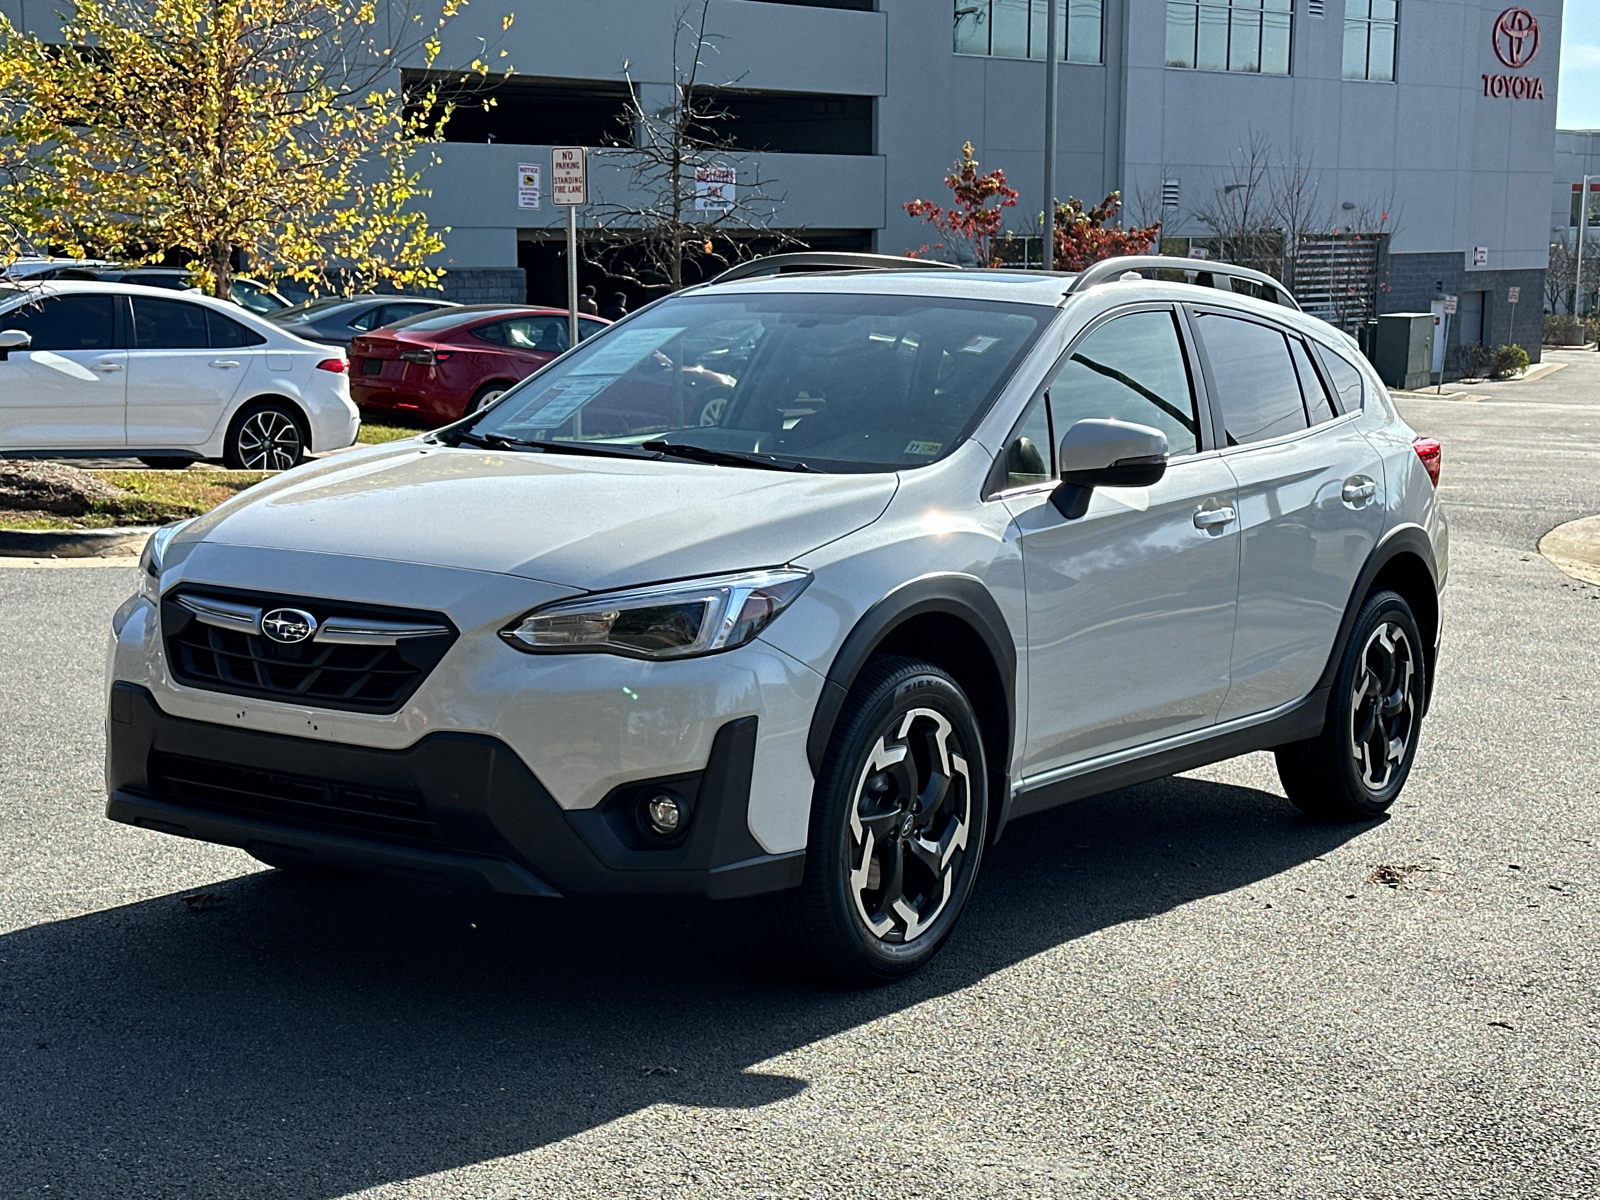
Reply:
x=1403 y=350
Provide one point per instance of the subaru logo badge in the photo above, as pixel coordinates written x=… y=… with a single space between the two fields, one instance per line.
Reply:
x=288 y=625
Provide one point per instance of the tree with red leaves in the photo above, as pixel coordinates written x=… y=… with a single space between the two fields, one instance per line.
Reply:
x=969 y=221
x=1085 y=236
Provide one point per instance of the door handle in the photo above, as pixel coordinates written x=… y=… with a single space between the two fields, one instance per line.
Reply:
x=106 y=366
x=1357 y=489
x=1211 y=518
x=223 y=362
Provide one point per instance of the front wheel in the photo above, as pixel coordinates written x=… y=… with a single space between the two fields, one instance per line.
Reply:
x=1354 y=769
x=898 y=824
x=268 y=437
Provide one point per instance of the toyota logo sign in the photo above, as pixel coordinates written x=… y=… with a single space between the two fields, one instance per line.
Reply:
x=1516 y=37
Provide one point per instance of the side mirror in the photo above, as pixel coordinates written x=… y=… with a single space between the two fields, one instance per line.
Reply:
x=13 y=339
x=1106 y=453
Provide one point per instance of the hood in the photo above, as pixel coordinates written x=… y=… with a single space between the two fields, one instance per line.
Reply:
x=583 y=522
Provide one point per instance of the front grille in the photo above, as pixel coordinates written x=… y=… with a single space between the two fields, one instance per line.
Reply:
x=360 y=678
x=280 y=796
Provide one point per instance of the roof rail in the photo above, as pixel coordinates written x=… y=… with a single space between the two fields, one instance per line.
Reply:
x=827 y=260
x=1206 y=272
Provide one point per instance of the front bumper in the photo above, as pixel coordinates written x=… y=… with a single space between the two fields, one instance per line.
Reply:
x=454 y=807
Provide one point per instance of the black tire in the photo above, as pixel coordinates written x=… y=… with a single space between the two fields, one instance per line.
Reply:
x=1356 y=767
x=485 y=396
x=269 y=436
x=170 y=462
x=930 y=802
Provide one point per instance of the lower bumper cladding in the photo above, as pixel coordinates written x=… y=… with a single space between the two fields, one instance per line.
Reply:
x=456 y=808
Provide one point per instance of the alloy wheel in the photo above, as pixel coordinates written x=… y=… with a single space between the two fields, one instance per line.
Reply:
x=1383 y=716
x=269 y=441
x=909 y=825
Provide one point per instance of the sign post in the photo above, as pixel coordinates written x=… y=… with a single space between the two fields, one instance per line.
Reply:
x=1449 y=309
x=569 y=188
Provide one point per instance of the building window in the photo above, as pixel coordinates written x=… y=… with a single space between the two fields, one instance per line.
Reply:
x=1231 y=35
x=1019 y=28
x=1371 y=29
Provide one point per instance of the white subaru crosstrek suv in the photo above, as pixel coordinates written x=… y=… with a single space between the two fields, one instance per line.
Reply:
x=100 y=369
x=952 y=548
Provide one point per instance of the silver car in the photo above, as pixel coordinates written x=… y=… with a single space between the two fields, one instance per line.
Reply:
x=943 y=549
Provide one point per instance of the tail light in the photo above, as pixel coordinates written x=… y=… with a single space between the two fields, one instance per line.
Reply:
x=426 y=357
x=1431 y=454
x=337 y=365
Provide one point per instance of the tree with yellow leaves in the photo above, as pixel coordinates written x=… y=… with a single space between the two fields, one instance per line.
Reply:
x=275 y=128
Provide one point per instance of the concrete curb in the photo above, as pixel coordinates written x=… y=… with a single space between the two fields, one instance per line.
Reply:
x=1574 y=548
x=124 y=542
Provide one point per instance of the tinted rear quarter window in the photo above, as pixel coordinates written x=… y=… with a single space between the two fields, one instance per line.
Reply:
x=66 y=322
x=1346 y=379
x=1319 y=407
x=1256 y=381
x=168 y=325
x=226 y=333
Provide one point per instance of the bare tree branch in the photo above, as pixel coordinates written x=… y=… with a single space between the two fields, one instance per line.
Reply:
x=664 y=222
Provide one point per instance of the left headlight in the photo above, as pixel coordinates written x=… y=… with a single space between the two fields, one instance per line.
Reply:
x=150 y=559
x=669 y=620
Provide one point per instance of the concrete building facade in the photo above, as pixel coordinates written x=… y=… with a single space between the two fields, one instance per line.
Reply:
x=1425 y=126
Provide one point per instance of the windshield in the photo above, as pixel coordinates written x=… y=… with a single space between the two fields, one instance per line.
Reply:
x=841 y=383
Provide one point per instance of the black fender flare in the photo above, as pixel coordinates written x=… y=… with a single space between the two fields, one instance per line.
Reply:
x=960 y=596
x=1404 y=539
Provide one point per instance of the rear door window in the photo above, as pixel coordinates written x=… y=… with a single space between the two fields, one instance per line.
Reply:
x=168 y=325
x=1132 y=368
x=66 y=322
x=1257 y=386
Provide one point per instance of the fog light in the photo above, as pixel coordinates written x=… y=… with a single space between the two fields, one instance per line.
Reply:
x=664 y=812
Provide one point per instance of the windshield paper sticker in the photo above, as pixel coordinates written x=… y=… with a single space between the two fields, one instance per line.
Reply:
x=925 y=448
x=566 y=398
x=978 y=345
x=620 y=352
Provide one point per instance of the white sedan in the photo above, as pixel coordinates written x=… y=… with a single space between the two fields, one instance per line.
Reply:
x=103 y=369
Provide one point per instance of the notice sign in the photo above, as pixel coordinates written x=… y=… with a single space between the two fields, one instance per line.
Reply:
x=569 y=176
x=528 y=188
x=1450 y=306
x=1480 y=256
x=1515 y=294
x=713 y=188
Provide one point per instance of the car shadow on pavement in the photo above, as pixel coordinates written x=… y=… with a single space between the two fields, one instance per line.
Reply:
x=316 y=1036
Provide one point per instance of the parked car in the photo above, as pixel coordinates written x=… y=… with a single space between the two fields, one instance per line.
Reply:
x=252 y=294
x=960 y=546
x=440 y=365
x=37 y=269
x=92 y=369
x=336 y=320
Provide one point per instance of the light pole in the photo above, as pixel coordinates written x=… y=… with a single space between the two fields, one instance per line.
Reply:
x=1052 y=82
x=1583 y=224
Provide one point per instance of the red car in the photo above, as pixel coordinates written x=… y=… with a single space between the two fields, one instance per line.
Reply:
x=440 y=366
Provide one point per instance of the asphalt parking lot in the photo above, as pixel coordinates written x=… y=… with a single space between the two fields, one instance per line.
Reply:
x=1183 y=989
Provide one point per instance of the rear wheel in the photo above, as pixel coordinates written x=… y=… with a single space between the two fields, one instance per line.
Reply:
x=1356 y=767
x=898 y=824
x=485 y=396
x=265 y=437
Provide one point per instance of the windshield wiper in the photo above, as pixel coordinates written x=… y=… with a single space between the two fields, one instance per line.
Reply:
x=725 y=458
x=500 y=441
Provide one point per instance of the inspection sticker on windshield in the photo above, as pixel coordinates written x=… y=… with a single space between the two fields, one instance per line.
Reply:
x=927 y=448
x=978 y=345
